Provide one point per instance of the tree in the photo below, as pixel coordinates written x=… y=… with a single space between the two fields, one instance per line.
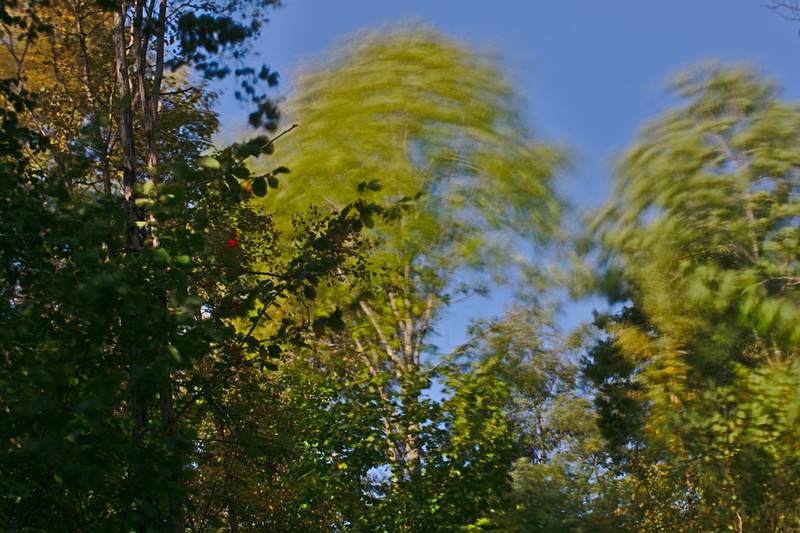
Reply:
x=560 y=462
x=121 y=283
x=725 y=164
x=702 y=234
x=433 y=128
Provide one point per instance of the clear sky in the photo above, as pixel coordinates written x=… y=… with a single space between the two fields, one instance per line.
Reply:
x=591 y=71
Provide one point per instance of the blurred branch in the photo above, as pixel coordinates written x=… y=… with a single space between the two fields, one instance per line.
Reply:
x=788 y=9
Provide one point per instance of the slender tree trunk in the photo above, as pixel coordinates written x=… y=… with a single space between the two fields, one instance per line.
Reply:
x=166 y=406
x=149 y=103
x=133 y=238
x=149 y=112
x=142 y=24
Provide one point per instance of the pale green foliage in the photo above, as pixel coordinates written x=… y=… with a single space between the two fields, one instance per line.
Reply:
x=432 y=130
x=705 y=213
x=748 y=449
x=423 y=115
x=557 y=439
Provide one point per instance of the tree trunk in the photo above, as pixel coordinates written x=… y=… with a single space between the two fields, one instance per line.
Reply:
x=133 y=238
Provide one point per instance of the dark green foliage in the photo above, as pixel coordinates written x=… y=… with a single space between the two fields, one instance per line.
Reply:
x=83 y=322
x=119 y=338
x=618 y=399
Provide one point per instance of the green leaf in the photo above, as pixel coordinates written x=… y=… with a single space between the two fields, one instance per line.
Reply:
x=160 y=256
x=260 y=186
x=336 y=322
x=319 y=325
x=176 y=356
x=183 y=260
x=241 y=172
x=309 y=292
x=266 y=145
x=233 y=184
x=209 y=162
x=249 y=149
x=274 y=351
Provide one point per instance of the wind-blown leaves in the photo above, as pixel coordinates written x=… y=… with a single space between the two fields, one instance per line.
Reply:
x=422 y=115
x=704 y=230
x=433 y=131
x=706 y=202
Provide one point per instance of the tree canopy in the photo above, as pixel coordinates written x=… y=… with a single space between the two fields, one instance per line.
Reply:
x=242 y=338
x=701 y=237
x=432 y=129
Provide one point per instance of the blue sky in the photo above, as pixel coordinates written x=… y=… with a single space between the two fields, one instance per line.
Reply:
x=591 y=71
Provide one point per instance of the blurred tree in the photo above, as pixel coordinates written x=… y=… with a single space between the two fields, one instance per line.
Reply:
x=701 y=238
x=708 y=196
x=433 y=128
x=561 y=461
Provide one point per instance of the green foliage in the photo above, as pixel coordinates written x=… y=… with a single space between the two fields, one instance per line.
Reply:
x=558 y=448
x=702 y=233
x=706 y=198
x=201 y=339
x=121 y=362
x=746 y=445
x=431 y=130
x=428 y=124
x=344 y=463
